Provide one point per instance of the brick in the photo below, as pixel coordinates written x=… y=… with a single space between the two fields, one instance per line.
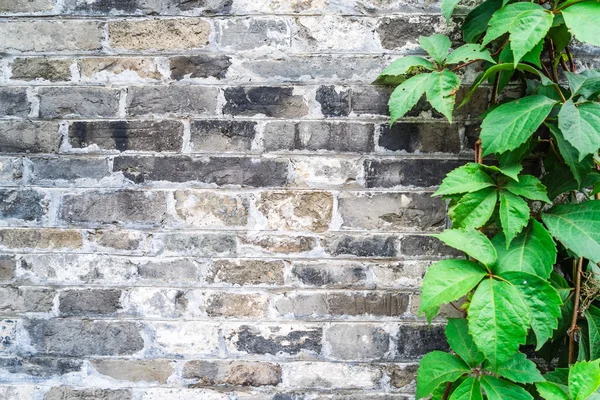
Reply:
x=175 y=271
x=397 y=32
x=253 y=33
x=114 y=68
x=278 y=102
x=334 y=103
x=277 y=7
x=320 y=375
x=172 y=100
x=41 y=238
x=63 y=169
x=402 y=376
x=331 y=275
x=40 y=367
x=278 y=244
x=409 y=172
x=8 y=334
x=325 y=172
x=156 y=136
x=159 y=34
x=29 y=137
x=64 y=392
x=413 y=245
x=8 y=265
x=57 y=102
x=368 y=246
x=135 y=370
x=25 y=299
x=227 y=304
x=221 y=171
x=89 y=302
x=222 y=136
x=115 y=239
x=236 y=373
x=77 y=338
x=193 y=338
x=400 y=275
x=182 y=394
x=198 y=244
x=125 y=207
x=46 y=69
x=412 y=342
x=55 y=35
x=11 y=170
x=357 y=342
x=200 y=66
x=280 y=340
x=13 y=102
x=205 y=209
x=391 y=211
x=372 y=100
x=22 y=204
x=247 y=272
x=420 y=137
x=148 y=7
x=26 y=6
x=297 y=211
x=156 y=303
x=334 y=33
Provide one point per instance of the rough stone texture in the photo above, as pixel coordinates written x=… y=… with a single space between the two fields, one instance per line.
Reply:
x=253 y=33
x=29 y=137
x=297 y=211
x=278 y=102
x=135 y=370
x=176 y=100
x=360 y=342
x=247 y=272
x=107 y=68
x=203 y=209
x=50 y=170
x=26 y=6
x=61 y=393
x=45 y=35
x=222 y=136
x=26 y=204
x=41 y=238
x=236 y=373
x=13 y=102
x=58 y=102
x=49 y=69
x=89 y=301
x=203 y=66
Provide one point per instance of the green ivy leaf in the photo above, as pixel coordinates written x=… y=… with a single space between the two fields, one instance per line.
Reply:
x=534 y=55
x=397 y=71
x=584 y=379
x=583 y=20
x=517 y=155
x=467 y=178
x=477 y=20
x=592 y=315
x=461 y=342
x=542 y=300
x=579 y=169
x=470 y=389
x=512 y=171
x=474 y=209
x=532 y=251
x=437 y=46
x=520 y=369
x=511 y=124
x=514 y=215
x=529 y=187
x=586 y=83
x=441 y=91
x=559 y=34
x=498 y=389
x=561 y=180
x=448 y=280
x=552 y=391
x=580 y=126
x=448 y=7
x=406 y=96
x=469 y=52
x=577 y=226
x=436 y=368
x=498 y=320
x=470 y=241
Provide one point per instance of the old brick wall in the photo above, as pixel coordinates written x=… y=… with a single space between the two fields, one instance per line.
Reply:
x=200 y=199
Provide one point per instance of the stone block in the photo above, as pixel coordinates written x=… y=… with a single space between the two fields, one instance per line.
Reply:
x=147 y=7
x=388 y=173
x=26 y=6
x=11 y=170
x=115 y=239
x=253 y=33
x=156 y=303
x=51 y=36
x=13 y=101
x=45 y=69
x=8 y=265
x=60 y=102
x=334 y=102
x=426 y=137
x=29 y=137
x=325 y=172
x=197 y=244
x=199 y=67
x=172 y=100
x=25 y=299
x=235 y=373
x=333 y=33
x=426 y=246
x=278 y=102
x=247 y=272
x=354 y=341
x=278 y=244
x=190 y=338
x=206 y=209
x=277 y=340
x=50 y=170
x=22 y=204
x=403 y=376
x=219 y=136
x=40 y=367
x=65 y=392
x=182 y=271
x=413 y=342
x=151 y=371
x=330 y=274
x=48 y=238
x=399 y=31
x=320 y=375
x=181 y=394
x=296 y=211
x=118 y=68
x=85 y=302
x=361 y=246
x=227 y=304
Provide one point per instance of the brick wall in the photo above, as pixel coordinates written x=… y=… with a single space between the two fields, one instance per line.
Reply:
x=201 y=199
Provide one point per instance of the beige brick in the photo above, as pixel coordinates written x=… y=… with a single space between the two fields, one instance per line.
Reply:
x=38 y=36
x=297 y=211
x=205 y=209
x=135 y=370
x=41 y=238
x=105 y=68
x=159 y=34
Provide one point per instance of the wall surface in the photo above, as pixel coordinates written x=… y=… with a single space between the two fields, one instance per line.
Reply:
x=201 y=199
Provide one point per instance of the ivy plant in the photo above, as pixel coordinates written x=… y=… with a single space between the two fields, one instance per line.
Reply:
x=525 y=213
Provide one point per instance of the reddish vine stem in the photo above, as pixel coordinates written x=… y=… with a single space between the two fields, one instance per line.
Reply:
x=574 y=328
x=571 y=62
x=447 y=392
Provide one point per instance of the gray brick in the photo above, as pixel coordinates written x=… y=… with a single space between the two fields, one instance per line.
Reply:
x=11 y=170
x=25 y=299
x=361 y=246
x=235 y=373
x=156 y=136
x=397 y=32
x=89 y=302
x=232 y=305
x=175 y=100
x=51 y=169
x=296 y=211
x=13 y=102
x=402 y=376
x=26 y=6
x=149 y=7
x=420 y=137
x=22 y=204
x=115 y=239
x=29 y=137
x=247 y=272
x=334 y=33
x=357 y=342
x=413 y=245
x=201 y=66
x=275 y=340
x=222 y=136
x=408 y=172
x=65 y=392
x=334 y=102
x=174 y=271
x=278 y=102
x=8 y=265
x=199 y=244
x=279 y=244
x=330 y=275
x=40 y=367
x=412 y=342
x=252 y=33
x=56 y=102
x=49 y=69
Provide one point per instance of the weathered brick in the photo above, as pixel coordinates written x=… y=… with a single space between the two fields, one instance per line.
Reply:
x=11 y=170
x=29 y=137
x=299 y=211
x=402 y=376
x=278 y=7
x=41 y=238
x=408 y=172
x=49 y=170
x=25 y=299
x=334 y=102
x=359 y=246
x=56 y=102
x=125 y=207
x=156 y=136
x=253 y=33
x=175 y=100
x=149 y=7
x=8 y=334
x=278 y=244
x=182 y=394
x=77 y=338
x=198 y=244
x=200 y=66
x=236 y=373
x=281 y=340
x=65 y=392
x=159 y=34
x=50 y=35
x=8 y=265
x=40 y=367
x=412 y=342
x=357 y=342
x=115 y=68
x=227 y=304
x=278 y=102
x=222 y=136
x=48 y=69
x=135 y=370
x=89 y=301
x=391 y=211
x=325 y=171
x=115 y=239
x=194 y=338
x=26 y=6
x=22 y=204
x=206 y=209
x=215 y=170
x=372 y=100
x=331 y=275
x=156 y=303
x=413 y=245
x=334 y=33
x=420 y=137
x=13 y=102
x=400 y=275
x=330 y=376
x=397 y=32
x=247 y=272
x=174 y=271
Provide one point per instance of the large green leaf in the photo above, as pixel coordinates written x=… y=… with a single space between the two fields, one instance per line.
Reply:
x=514 y=215
x=477 y=20
x=498 y=389
x=552 y=391
x=397 y=71
x=532 y=251
x=584 y=379
x=577 y=226
x=474 y=209
x=520 y=369
x=469 y=52
x=406 y=96
x=529 y=187
x=461 y=342
x=579 y=169
x=441 y=91
x=512 y=171
x=448 y=280
x=436 y=368
x=467 y=178
x=472 y=242
x=498 y=320
x=436 y=45
x=580 y=126
x=583 y=20
x=448 y=7
x=586 y=83
x=561 y=180
x=511 y=124
x=592 y=315
x=527 y=24
x=470 y=389
x=542 y=300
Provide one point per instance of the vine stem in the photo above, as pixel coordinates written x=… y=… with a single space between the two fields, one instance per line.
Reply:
x=574 y=328
x=447 y=392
